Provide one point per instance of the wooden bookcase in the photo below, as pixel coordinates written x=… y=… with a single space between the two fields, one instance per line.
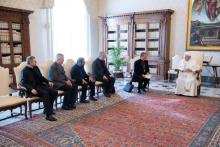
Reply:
x=138 y=32
x=14 y=37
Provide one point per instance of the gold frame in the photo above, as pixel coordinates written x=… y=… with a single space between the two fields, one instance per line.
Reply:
x=195 y=48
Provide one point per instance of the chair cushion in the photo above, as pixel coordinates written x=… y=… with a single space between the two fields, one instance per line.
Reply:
x=10 y=101
x=98 y=83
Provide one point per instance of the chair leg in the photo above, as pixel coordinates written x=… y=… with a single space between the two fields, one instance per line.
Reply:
x=56 y=103
x=25 y=111
x=30 y=109
x=21 y=110
x=12 y=113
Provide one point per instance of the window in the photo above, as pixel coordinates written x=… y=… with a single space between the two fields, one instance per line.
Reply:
x=70 y=29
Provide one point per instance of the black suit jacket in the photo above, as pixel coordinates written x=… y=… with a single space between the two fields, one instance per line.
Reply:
x=78 y=73
x=99 y=69
x=31 y=78
x=139 y=69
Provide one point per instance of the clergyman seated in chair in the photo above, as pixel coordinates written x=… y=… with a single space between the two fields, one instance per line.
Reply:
x=37 y=85
x=187 y=81
x=79 y=75
x=141 y=70
x=101 y=73
x=61 y=82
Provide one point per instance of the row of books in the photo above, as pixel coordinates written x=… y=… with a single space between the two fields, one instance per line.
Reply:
x=112 y=36
x=3 y=25
x=16 y=26
x=140 y=44
x=153 y=44
x=123 y=44
x=5 y=48
x=4 y=35
x=150 y=26
x=153 y=53
x=150 y=53
x=153 y=35
x=7 y=59
x=123 y=35
x=16 y=35
x=153 y=70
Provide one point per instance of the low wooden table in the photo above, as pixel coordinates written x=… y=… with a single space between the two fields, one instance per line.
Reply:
x=215 y=72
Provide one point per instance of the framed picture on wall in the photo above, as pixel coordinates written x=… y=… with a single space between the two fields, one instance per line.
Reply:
x=203 y=28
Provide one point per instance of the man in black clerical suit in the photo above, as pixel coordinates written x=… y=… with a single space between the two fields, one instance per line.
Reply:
x=62 y=82
x=141 y=68
x=36 y=84
x=79 y=75
x=101 y=73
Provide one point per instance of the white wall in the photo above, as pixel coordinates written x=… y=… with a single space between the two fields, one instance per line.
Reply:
x=178 y=24
x=38 y=32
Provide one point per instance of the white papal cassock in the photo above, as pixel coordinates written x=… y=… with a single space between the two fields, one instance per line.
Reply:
x=186 y=83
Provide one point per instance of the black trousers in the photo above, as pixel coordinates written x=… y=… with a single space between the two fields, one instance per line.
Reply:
x=85 y=87
x=142 y=83
x=70 y=95
x=48 y=95
x=108 y=85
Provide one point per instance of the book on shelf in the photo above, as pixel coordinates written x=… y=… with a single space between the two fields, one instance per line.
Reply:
x=153 y=44
x=6 y=60
x=153 y=53
x=3 y=25
x=124 y=44
x=112 y=44
x=16 y=26
x=154 y=25
x=138 y=53
x=16 y=35
x=17 y=59
x=4 y=35
x=5 y=48
x=140 y=35
x=17 y=48
x=140 y=44
x=123 y=35
x=153 y=35
x=153 y=70
x=141 y=26
x=112 y=36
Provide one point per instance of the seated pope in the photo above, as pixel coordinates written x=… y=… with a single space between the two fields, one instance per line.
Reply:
x=187 y=81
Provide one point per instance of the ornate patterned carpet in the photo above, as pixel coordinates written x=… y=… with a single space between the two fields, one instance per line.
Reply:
x=153 y=119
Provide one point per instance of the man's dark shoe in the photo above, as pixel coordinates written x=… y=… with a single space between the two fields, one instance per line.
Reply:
x=84 y=101
x=93 y=99
x=72 y=106
x=66 y=108
x=107 y=95
x=53 y=113
x=50 y=118
x=139 y=91
x=144 y=90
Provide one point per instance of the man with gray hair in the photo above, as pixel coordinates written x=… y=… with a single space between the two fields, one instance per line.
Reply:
x=79 y=75
x=62 y=82
x=36 y=84
x=101 y=73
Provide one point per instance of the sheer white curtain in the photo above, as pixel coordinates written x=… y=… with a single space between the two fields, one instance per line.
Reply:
x=70 y=29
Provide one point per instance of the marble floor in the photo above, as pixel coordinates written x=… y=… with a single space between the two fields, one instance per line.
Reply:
x=166 y=86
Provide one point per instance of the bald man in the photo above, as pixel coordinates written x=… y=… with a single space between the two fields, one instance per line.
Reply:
x=101 y=73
